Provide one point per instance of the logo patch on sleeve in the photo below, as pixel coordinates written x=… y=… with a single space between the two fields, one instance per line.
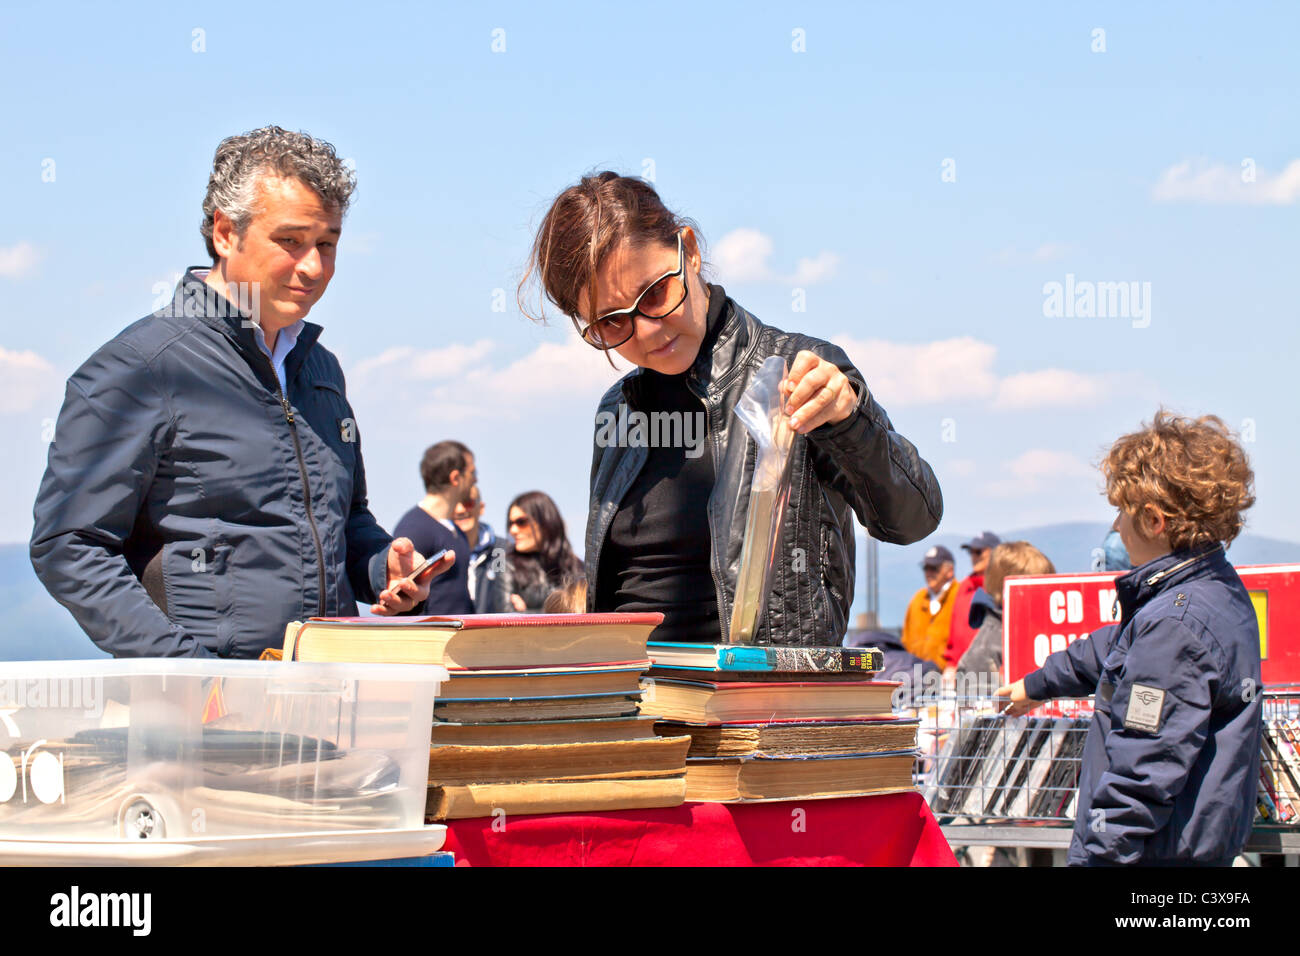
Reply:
x=1144 y=706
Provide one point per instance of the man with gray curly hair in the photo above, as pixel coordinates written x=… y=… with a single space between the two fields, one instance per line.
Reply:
x=205 y=486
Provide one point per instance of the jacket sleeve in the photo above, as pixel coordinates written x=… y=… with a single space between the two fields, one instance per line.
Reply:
x=1073 y=672
x=891 y=489
x=367 y=542
x=111 y=433
x=1167 y=674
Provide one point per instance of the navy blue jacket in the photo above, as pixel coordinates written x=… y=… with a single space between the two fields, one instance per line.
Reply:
x=1171 y=763
x=188 y=508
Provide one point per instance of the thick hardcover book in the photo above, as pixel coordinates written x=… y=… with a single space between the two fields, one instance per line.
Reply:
x=756 y=658
x=736 y=779
x=474 y=640
x=457 y=765
x=494 y=733
x=522 y=683
x=663 y=789
x=797 y=737
x=567 y=707
x=710 y=702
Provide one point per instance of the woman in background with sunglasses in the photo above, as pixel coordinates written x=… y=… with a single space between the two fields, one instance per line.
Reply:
x=540 y=559
x=665 y=524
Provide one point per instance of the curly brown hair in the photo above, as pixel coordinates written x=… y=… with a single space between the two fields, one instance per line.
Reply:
x=1193 y=471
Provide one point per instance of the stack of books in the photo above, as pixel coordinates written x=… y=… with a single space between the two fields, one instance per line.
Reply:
x=541 y=713
x=780 y=723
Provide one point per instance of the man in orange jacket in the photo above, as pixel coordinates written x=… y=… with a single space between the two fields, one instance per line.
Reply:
x=979 y=548
x=928 y=623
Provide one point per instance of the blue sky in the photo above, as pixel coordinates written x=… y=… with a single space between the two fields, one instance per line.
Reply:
x=920 y=172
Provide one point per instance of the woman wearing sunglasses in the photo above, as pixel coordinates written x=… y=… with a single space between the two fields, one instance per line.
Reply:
x=540 y=559
x=665 y=524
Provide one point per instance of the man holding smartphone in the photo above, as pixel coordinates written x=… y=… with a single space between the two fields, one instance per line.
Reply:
x=205 y=485
x=449 y=475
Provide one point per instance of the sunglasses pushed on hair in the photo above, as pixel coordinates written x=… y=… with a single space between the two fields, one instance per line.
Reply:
x=660 y=298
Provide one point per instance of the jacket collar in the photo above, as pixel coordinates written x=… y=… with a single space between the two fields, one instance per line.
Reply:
x=1140 y=585
x=196 y=299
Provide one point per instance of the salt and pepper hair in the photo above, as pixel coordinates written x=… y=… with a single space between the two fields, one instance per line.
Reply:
x=240 y=160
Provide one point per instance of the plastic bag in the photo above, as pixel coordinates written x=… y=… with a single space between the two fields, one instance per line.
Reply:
x=761 y=411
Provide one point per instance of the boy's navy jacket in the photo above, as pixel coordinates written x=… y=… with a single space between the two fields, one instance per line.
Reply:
x=1171 y=763
x=186 y=511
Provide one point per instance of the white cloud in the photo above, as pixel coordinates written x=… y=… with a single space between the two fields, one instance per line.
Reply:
x=962 y=369
x=743 y=255
x=18 y=261
x=1043 y=463
x=459 y=383
x=412 y=364
x=809 y=271
x=923 y=373
x=1033 y=470
x=1202 y=181
x=28 y=381
x=1050 y=386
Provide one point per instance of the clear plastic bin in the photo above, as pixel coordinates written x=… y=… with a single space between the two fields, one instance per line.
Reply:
x=180 y=749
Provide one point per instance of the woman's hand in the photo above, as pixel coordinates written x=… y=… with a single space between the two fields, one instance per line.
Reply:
x=1017 y=703
x=518 y=604
x=816 y=393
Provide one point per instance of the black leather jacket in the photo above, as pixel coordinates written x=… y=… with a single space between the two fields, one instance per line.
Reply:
x=858 y=466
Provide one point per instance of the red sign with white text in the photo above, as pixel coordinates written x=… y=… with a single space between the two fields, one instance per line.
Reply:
x=1046 y=613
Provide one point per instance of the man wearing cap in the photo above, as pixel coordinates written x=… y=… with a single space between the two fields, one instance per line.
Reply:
x=979 y=548
x=929 y=614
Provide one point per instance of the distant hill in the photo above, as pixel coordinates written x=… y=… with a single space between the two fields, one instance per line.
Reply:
x=34 y=627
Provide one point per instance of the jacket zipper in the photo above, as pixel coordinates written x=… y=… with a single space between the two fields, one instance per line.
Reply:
x=1182 y=564
x=306 y=491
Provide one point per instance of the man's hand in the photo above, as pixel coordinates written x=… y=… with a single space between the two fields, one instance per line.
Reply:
x=817 y=393
x=1017 y=703
x=402 y=592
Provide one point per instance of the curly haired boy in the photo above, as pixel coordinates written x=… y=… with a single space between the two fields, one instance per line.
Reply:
x=1171 y=763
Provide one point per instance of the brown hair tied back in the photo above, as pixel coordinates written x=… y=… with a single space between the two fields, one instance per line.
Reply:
x=585 y=223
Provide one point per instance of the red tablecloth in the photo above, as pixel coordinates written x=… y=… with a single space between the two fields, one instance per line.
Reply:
x=893 y=829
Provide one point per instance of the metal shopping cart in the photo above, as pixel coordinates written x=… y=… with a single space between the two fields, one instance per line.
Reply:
x=997 y=781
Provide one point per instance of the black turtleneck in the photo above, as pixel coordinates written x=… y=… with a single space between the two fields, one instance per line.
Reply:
x=657 y=554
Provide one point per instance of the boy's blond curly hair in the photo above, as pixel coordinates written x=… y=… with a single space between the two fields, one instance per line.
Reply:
x=1193 y=471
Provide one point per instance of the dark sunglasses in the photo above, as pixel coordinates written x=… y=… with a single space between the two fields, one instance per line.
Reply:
x=519 y=523
x=659 y=299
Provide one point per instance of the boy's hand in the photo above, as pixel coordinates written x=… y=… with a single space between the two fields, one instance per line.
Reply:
x=1017 y=703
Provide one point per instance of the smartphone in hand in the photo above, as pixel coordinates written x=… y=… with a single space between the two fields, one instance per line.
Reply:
x=428 y=563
